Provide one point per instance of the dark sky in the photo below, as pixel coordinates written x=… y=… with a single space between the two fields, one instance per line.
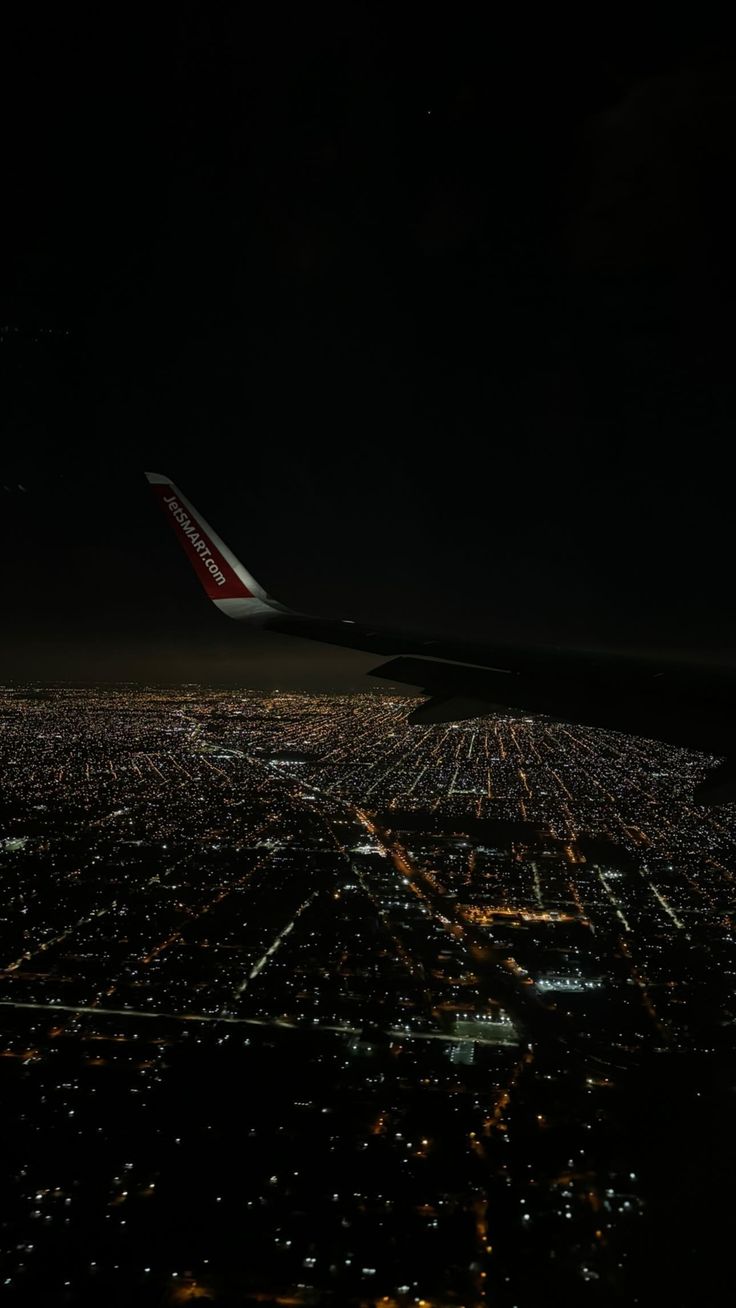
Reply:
x=433 y=321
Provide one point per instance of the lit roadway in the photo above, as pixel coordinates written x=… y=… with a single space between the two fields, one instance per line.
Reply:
x=274 y=946
x=396 y=1033
x=497 y=980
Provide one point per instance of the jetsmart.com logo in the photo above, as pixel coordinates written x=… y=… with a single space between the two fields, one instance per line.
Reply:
x=196 y=541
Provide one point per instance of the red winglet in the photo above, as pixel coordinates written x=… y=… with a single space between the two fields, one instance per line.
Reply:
x=224 y=579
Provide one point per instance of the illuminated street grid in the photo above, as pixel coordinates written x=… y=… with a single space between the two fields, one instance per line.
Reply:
x=302 y=1005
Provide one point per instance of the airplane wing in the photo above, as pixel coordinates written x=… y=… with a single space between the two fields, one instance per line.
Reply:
x=681 y=704
x=237 y=593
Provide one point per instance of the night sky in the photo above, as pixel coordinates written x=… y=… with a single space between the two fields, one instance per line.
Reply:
x=434 y=322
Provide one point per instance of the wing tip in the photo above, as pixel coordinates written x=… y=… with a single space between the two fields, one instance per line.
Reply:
x=157 y=479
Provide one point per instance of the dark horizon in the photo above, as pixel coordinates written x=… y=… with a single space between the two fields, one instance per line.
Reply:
x=436 y=330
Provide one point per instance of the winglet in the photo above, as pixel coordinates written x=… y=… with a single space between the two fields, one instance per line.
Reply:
x=224 y=579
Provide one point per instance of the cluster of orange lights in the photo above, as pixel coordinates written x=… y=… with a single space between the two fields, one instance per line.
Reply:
x=485 y=914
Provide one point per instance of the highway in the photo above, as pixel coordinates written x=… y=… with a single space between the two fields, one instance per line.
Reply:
x=393 y=1033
